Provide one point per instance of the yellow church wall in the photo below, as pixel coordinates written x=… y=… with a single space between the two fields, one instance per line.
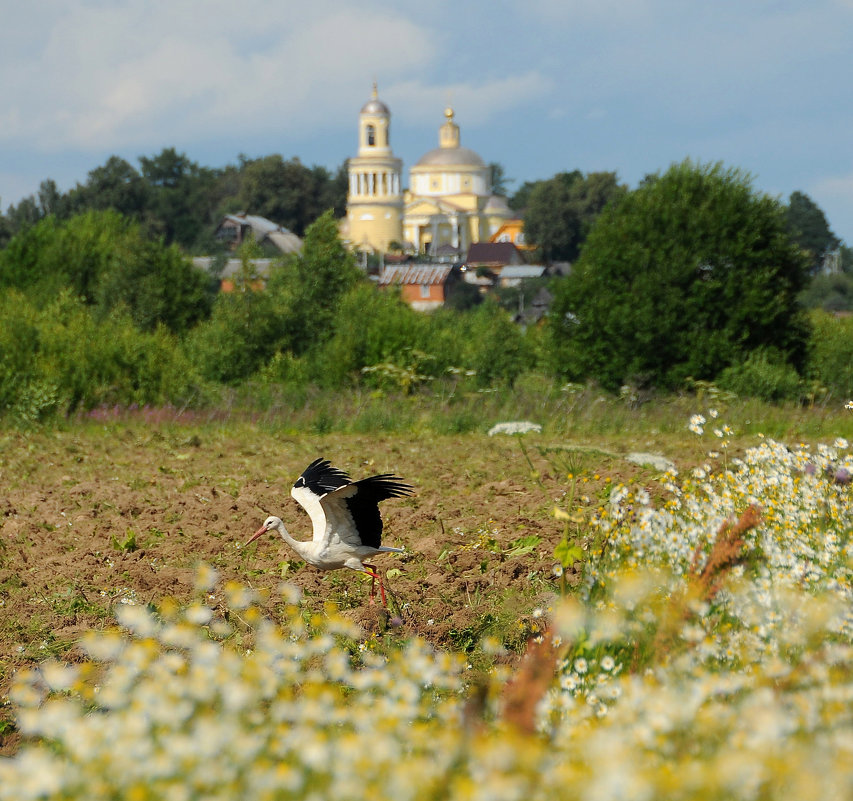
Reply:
x=374 y=226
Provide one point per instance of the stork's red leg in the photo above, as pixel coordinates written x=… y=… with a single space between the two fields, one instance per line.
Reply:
x=374 y=577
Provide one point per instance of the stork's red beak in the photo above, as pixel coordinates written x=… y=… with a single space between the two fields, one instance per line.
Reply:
x=261 y=530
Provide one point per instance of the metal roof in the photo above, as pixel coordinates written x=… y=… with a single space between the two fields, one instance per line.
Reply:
x=523 y=271
x=423 y=274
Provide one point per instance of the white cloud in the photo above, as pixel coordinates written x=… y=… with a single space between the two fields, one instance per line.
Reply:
x=474 y=101
x=99 y=76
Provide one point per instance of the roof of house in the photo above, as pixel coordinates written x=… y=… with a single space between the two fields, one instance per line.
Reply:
x=415 y=274
x=494 y=253
x=286 y=241
x=256 y=223
x=523 y=271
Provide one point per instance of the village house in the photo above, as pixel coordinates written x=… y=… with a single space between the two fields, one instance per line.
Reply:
x=234 y=229
x=424 y=287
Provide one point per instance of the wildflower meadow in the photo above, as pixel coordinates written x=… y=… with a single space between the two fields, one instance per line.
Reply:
x=705 y=653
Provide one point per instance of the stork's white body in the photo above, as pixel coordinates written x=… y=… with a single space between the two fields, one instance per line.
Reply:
x=329 y=553
x=347 y=526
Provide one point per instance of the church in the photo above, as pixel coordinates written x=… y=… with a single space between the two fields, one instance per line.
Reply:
x=447 y=207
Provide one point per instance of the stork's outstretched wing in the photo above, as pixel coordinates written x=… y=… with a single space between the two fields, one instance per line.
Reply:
x=349 y=509
x=317 y=480
x=352 y=511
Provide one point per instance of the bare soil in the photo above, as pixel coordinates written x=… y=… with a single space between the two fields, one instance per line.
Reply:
x=99 y=515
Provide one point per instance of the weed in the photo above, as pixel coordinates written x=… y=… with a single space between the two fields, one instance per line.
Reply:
x=126 y=545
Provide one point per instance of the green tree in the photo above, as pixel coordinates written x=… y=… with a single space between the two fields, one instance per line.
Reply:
x=498 y=180
x=371 y=327
x=106 y=260
x=245 y=328
x=24 y=215
x=334 y=190
x=51 y=200
x=287 y=192
x=560 y=212
x=832 y=293
x=808 y=227
x=684 y=276
x=830 y=361
x=182 y=197
x=521 y=197
x=116 y=185
x=311 y=285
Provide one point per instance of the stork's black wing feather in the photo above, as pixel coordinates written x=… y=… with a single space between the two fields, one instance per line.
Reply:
x=320 y=477
x=363 y=504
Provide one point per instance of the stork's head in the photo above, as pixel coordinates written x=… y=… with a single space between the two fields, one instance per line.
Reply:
x=269 y=524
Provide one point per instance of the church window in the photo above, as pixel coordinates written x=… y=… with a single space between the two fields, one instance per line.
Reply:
x=371 y=135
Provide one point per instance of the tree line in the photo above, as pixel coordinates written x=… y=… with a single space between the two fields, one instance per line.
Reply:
x=694 y=276
x=175 y=199
x=180 y=201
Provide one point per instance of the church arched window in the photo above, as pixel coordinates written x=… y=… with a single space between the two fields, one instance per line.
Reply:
x=371 y=135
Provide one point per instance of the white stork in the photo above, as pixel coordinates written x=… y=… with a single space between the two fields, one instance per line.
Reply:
x=345 y=514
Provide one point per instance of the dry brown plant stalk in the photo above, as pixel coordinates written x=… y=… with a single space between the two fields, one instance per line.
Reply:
x=726 y=552
x=703 y=583
x=524 y=691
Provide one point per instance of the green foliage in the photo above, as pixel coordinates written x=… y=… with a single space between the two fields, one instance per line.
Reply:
x=808 y=227
x=290 y=193
x=684 y=276
x=127 y=545
x=497 y=178
x=461 y=296
x=311 y=287
x=57 y=358
x=489 y=343
x=370 y=328
x=115 y=185
x=106 y=260
x=560 y=212
x=765 y=375
x=176 y=200
x=246 y=327
x=829 y=292
x=830 y=361
x=182 y=198
x=521 y=197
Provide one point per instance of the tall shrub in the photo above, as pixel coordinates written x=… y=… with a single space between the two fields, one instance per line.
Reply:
x=830 y=361
x=57 y=358
x=684 y=276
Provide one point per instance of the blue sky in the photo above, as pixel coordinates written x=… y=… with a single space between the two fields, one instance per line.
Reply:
x=540 y=86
